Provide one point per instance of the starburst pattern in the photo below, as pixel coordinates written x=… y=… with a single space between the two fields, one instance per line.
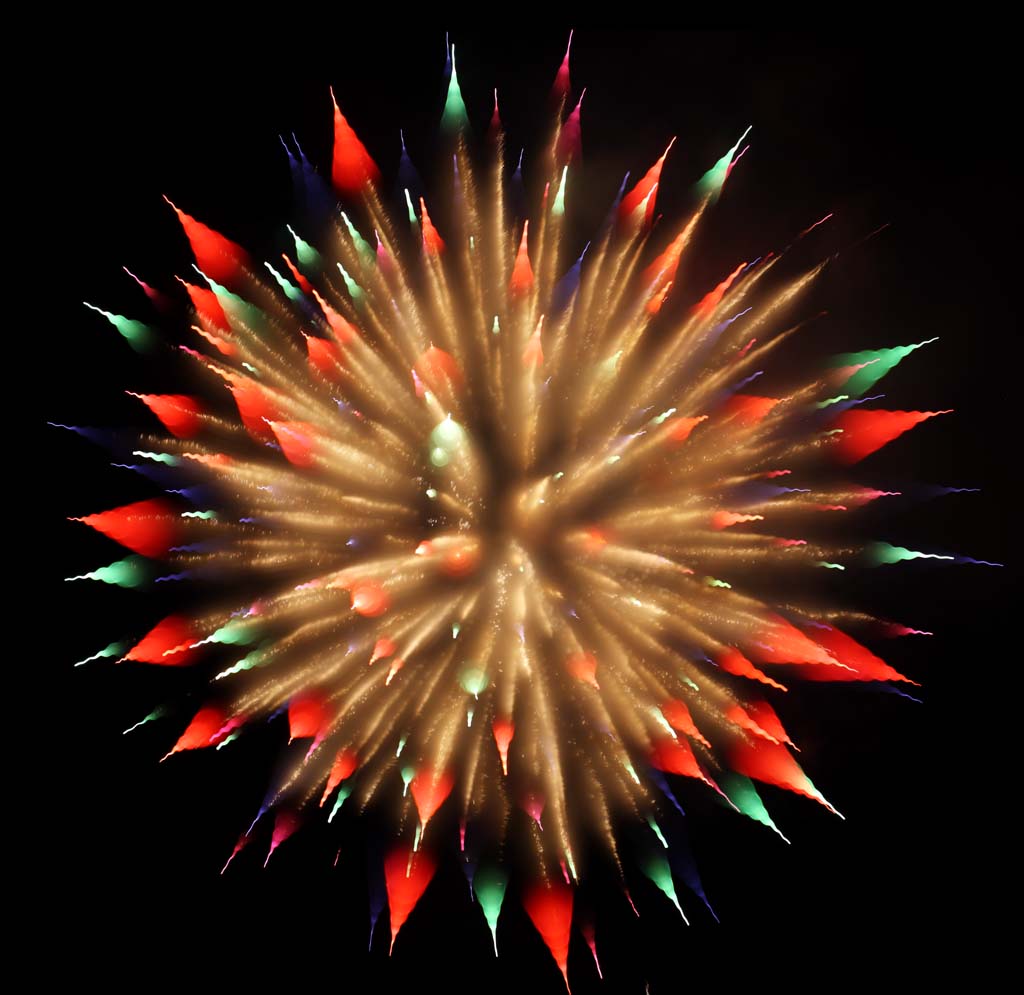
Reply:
x=501 y=507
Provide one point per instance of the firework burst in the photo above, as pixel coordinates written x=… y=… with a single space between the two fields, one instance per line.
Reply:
x=501 y=509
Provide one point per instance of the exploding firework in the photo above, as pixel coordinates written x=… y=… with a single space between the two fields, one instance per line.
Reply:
x=501 y=506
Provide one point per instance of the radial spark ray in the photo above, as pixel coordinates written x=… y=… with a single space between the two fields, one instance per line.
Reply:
x=502 y=502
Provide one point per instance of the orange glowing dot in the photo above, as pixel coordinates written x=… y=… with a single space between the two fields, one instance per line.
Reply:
x=369 y=598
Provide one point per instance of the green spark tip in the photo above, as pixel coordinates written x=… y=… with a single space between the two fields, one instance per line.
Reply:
x=558 y=208
x=139 y=336
x=290 y=290
x=454 y=117
x=871 y=365
x=474 y=680
x=309 y=258
x=882 y=554
x=343 y=792
x=114 y=649
x=133 y=571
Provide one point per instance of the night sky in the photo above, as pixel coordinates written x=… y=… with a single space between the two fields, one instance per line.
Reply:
x=877 y=130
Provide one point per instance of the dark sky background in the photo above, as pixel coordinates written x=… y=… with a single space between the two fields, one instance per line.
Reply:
x=878 y=130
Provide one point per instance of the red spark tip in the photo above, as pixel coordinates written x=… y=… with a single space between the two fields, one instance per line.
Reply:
x=865 y=432
x=352 y=168
x=644 y=192
x=307 y=717
x=369 y=598
x=147 y=527
x=222 y=260
x=169 y=643
x=549 y=906
x=433 y=244
x=180 y=414
x=521 y=281
x=429 y=790
x=406 y=876
x=205 y=729
x=583 y=666
x=560 y=88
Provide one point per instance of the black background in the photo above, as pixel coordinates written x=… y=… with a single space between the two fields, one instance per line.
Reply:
x=877 y=129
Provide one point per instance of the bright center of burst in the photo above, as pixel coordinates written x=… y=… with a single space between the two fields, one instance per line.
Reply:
x=524 y=516
x=506 y=519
